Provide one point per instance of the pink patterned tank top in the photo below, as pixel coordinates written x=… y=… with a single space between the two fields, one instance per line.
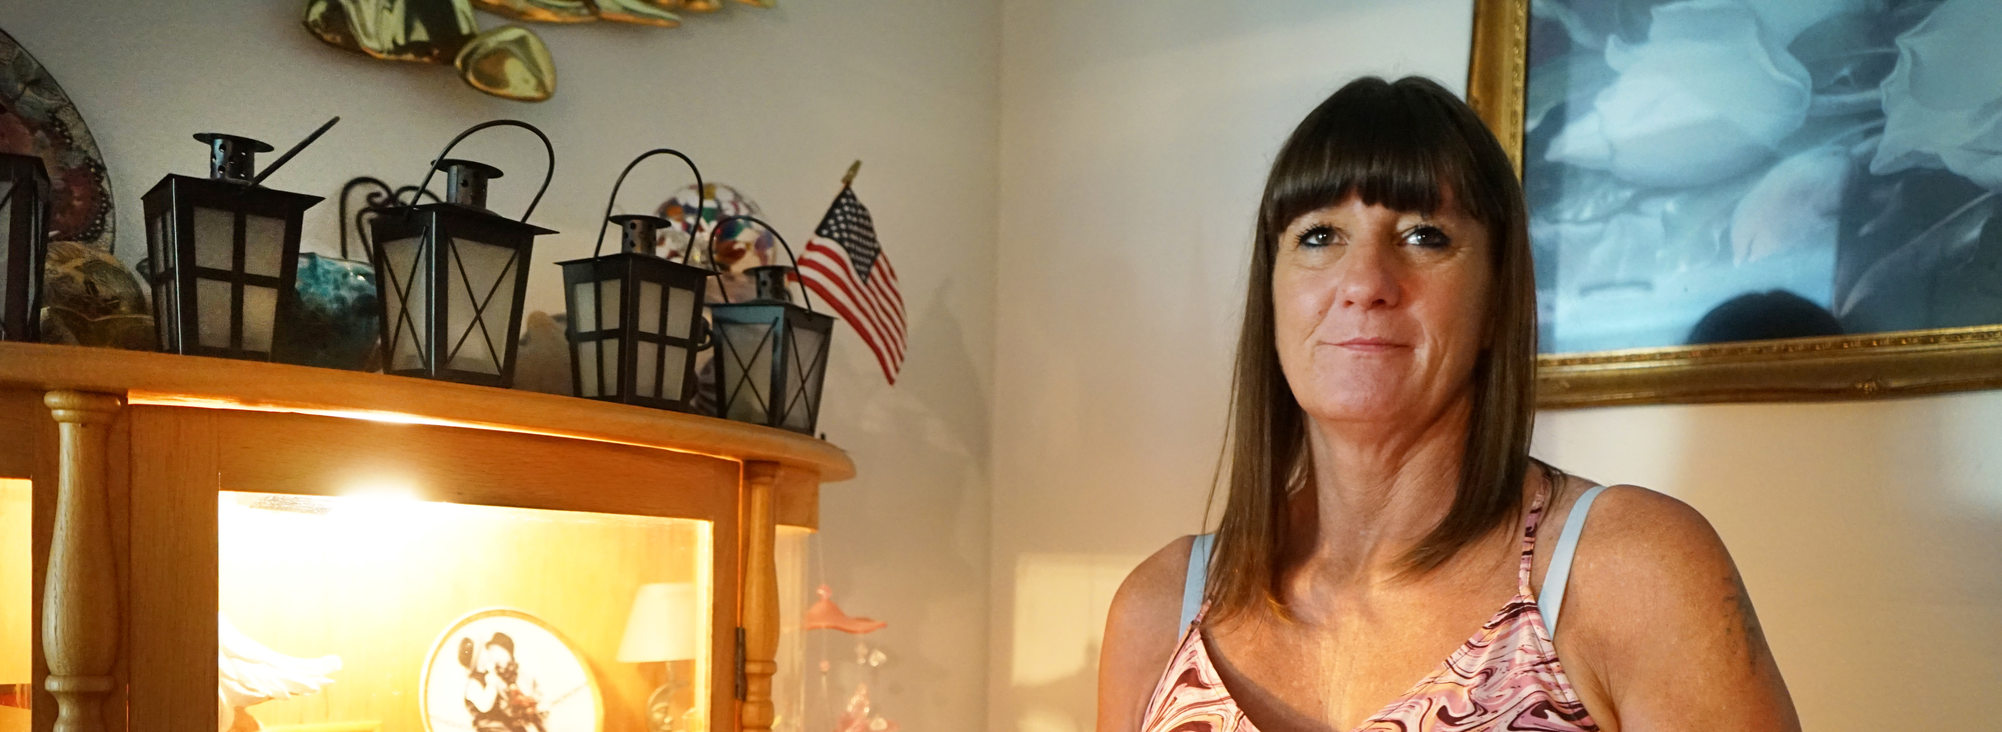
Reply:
x=1506 y=677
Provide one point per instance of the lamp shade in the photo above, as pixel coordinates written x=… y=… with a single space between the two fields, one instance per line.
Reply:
x=665 y=624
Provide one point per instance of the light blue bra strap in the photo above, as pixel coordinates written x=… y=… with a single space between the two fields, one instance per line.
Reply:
x=1552 y=598
x=1199 y=574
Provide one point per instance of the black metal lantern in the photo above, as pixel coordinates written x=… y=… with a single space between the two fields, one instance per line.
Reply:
x=636 y=318
x=771 y=354
x=24 y=245
x=223 y=251
x=454 y=274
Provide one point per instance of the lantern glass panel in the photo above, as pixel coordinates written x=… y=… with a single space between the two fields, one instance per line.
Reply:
x=587 y=369
x=649 y=310
x=590 y=309
x=6 y=235
x=260 y=311
x=747 y=368
x=671 y=384
x=481 y=307
x=165 y=309
x=263 y=246
x=646 y=375
x=406 y=304
x=680 y=312
x=215 y=234
x=212 y=312
x=608 y=366
x=6 y=223
x=801 y=394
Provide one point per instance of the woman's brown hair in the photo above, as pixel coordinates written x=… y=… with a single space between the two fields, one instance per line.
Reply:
x=1399 y=145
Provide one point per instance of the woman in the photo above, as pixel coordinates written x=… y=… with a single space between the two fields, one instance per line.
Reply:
x=1382 y=506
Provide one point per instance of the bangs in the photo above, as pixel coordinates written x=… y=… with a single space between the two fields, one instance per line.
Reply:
x=1393 y=145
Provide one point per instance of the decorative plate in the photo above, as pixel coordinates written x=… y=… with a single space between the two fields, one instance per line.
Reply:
x=501 y=670
x=37 y=118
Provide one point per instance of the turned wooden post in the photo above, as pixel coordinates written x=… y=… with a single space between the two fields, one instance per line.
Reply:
x=80 y=604
x=761 y=596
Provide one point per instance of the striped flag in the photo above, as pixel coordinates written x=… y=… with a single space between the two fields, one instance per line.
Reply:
x=845 y=266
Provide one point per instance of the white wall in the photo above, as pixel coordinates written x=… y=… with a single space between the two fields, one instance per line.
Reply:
x=774 y=101
x=1135 y=138
x=1869 y=534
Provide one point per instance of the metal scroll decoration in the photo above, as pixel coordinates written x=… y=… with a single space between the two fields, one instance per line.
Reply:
x=509 y=61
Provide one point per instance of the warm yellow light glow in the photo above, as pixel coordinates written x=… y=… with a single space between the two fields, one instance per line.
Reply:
x=705 y=584
x=137 y=397
x=16 y=596
x=380 y=491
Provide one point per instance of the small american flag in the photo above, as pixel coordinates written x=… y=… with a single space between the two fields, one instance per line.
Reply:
x=845 y=266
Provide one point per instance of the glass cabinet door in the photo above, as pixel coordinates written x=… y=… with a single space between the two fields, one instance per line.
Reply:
x=383 y=613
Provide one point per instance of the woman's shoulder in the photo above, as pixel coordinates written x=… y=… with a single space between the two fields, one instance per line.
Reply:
x=1149 y=601
x=1633 y=538
x=1634 y=530
x=1653 y=596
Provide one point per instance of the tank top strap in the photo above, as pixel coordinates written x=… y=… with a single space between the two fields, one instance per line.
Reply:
x=1529 y=524
x=1197 y=578
x=1552 y=600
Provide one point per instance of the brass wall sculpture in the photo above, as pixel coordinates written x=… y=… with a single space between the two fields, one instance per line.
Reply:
x=510 y=61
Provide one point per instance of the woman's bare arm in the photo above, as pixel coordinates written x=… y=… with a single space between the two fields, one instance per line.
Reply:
x=1140 y=636
x=1658 y=625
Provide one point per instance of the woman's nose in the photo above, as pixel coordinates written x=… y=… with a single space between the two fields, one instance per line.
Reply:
x=1368 y=278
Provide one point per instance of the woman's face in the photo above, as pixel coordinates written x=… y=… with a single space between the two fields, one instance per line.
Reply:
x=1379 y=313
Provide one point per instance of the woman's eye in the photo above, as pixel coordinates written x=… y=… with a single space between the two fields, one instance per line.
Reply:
x=1427 y=237
x=1317 y=236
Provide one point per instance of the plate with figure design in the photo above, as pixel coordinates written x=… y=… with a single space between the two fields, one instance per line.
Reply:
x=502 y=670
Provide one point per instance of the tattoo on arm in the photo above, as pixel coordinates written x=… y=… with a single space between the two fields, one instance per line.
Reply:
x=1755 y=636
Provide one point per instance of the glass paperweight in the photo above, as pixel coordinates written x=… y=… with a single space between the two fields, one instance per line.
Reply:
x=334 y=325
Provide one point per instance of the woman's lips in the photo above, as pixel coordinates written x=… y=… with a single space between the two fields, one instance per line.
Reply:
x=1370 y=345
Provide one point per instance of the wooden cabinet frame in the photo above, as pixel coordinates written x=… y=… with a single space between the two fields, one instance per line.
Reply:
x=128 y=453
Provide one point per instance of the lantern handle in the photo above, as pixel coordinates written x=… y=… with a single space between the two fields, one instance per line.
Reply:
x=377 y=202
x=287 y=157
x=547 y=172
x=701 y=199
x=775 y=234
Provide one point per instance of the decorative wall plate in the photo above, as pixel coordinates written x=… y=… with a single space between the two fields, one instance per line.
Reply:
x=501 y=670
x=37 y=118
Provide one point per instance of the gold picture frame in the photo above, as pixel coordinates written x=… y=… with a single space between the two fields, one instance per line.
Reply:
x=1864 y=366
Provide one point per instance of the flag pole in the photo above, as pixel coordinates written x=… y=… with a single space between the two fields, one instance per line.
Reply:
x=846 y=181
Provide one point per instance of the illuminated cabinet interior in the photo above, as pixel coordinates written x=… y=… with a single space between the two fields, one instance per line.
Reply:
x=266 y=546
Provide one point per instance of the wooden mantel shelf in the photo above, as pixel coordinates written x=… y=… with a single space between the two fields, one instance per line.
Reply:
x=169 y=379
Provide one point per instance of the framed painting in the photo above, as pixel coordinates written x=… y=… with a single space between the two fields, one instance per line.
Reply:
x=1754 y=200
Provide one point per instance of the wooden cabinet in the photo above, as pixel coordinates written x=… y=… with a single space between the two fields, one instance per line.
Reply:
x=140 y=465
